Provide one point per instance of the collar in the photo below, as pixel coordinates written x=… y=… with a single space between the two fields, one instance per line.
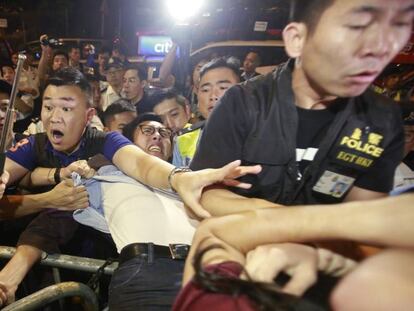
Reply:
x=110 y=90
x=71 y=157
x=142 y=99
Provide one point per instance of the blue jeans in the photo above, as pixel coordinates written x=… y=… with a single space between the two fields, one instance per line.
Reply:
x=145 y=283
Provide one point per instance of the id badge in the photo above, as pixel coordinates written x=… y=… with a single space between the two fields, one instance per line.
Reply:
x=333 y=184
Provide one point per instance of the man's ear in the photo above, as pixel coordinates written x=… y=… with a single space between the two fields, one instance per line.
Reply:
x=187 y=109
x=90 y=113
x=143 y=83
x=294 y=36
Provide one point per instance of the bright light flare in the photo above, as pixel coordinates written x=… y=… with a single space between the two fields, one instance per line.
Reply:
x=182 y=10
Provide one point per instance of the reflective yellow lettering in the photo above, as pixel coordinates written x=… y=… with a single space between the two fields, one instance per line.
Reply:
x=377 y=152
x=363 y=161
x=348 y=157
x=344 y=140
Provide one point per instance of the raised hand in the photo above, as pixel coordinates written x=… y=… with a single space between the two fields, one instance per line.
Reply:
x=190 y=185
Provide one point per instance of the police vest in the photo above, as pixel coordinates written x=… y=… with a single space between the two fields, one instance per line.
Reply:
x=187 y=141
x=360 y=132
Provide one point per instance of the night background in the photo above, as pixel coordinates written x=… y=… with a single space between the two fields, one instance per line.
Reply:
x=124 y=19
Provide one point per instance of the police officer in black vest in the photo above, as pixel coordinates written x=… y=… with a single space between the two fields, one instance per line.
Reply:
x=319 y=133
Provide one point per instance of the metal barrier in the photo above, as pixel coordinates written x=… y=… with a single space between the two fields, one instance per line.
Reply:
x=66 y=261
x=61 y=290
x=56 y=292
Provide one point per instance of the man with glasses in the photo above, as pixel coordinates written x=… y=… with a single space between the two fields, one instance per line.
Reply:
x=133 y=88
x=142 y=220
x=114 y=76
x=148 y=133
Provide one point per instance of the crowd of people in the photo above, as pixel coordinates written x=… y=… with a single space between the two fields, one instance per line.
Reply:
x=223 y=170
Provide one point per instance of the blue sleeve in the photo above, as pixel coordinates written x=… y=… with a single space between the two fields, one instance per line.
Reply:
x=23 y=153
x=113 y=142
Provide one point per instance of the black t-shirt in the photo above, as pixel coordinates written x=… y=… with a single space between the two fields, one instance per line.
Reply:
x=313 y=125
x=144 y=105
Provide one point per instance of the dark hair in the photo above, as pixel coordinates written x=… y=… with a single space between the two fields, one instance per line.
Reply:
x=5 y=87
x=265 y=296
x=231 y=63
x=163 y=94
x=60 y=52
x=6 y=64
x=141 y=71
x=70 y=76
x=308 y=11
x=129 y=129
x=119 y=106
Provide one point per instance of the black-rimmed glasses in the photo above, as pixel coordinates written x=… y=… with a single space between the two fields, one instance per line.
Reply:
x=149 y=130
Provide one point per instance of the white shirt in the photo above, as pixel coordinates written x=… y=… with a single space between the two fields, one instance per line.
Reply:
x=136 y=213
x=108 y=97
x=404 y=176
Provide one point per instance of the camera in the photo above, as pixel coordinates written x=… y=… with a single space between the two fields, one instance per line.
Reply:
x=49 y=41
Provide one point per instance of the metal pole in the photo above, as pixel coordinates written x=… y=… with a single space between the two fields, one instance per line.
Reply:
x=53 y=293
x=57 y=279
x=10 y=110
x=66 y=261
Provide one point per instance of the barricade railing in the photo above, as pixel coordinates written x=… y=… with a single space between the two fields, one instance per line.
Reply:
x=89 y=301
x=65 y=289
x=66 y=261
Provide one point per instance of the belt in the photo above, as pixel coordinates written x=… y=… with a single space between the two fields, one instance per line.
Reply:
x=173 y=251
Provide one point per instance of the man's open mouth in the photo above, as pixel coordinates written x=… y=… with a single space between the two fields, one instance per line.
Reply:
x=57 y=136
x=154 y=149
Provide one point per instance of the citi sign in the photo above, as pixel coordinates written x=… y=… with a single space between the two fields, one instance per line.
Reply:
x=154 y=45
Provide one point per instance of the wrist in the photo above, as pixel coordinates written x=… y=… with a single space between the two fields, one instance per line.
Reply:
x=50 y=178
x=56 y=176
x=171 y=177
x=36 y=202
